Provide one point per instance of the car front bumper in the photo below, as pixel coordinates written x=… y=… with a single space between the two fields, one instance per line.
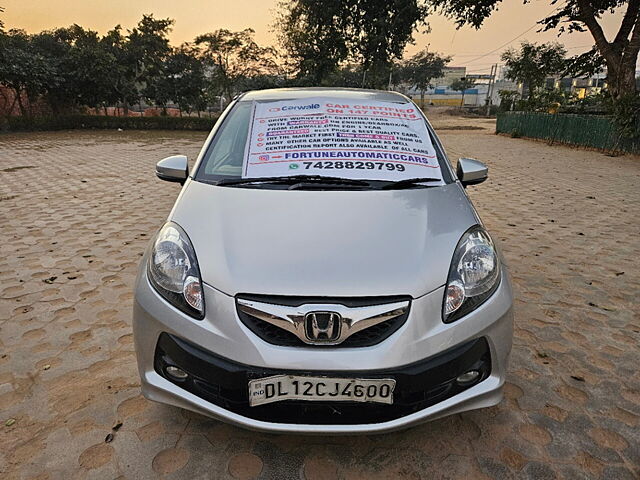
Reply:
x=221 y=354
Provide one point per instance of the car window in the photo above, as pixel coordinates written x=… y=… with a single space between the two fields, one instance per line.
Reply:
x=224 y=156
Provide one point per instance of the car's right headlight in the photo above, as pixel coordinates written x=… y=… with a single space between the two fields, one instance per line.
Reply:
x=174 y=272
x=473 y=276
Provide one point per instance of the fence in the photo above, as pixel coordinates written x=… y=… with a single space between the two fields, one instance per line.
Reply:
x=594 y=131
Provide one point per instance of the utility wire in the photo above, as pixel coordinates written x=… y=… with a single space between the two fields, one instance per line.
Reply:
x=502 y=46
x=476 y=54
x=510 y=41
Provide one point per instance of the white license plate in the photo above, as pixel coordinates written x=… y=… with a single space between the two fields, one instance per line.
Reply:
x=298 y=387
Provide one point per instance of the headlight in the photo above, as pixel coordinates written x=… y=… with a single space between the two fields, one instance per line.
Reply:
x=473 y=276
x=174 y=272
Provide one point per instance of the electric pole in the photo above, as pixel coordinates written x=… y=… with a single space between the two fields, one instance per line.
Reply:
x=492 y=81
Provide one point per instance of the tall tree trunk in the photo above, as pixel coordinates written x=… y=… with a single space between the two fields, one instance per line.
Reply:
x=23 y=112
x=620 y=55
x=13 y=105
x=8 y=108
x=621 y=79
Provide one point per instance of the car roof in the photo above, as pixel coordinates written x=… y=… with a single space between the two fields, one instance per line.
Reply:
x=275 y=94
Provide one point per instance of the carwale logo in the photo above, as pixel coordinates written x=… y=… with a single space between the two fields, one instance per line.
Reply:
x=311 y=106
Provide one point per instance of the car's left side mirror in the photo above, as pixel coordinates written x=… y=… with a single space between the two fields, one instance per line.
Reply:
x=471 y=171
x=173 y=169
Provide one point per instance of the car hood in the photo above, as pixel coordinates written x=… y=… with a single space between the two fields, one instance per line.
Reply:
x=324 y=243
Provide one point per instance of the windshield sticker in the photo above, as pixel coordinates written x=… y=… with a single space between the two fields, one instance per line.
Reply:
x=338 y=138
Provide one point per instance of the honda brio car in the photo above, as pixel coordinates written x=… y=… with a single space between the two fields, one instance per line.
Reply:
x=323 y=271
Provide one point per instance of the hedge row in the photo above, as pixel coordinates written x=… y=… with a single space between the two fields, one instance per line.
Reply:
x=70 y=122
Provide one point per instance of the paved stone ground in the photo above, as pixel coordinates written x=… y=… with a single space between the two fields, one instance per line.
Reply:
x=77 y=209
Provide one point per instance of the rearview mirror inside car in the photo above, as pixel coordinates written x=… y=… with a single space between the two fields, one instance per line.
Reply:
x=173 y=169
x=471 y=171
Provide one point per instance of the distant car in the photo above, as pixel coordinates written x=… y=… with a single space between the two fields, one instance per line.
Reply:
x=312 y=278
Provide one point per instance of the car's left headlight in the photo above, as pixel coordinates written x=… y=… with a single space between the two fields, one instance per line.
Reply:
x=473 y=276
x=174 y=272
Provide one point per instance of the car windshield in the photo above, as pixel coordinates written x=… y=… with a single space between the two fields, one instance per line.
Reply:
x=224 y=157
x=224 y=160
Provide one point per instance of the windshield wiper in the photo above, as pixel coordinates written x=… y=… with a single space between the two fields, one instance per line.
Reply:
x=408 y=183
x=294 y=179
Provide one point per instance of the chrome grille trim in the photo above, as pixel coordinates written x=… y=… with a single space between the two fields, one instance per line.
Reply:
x=292 y=318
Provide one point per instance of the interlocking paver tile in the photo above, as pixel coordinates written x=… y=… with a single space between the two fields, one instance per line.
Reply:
x=75 y=223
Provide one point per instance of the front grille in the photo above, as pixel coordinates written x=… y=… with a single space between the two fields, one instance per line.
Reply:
x=418 y=385
x=364 y=338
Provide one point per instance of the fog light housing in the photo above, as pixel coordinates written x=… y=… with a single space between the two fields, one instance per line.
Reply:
x=176 y=372
x=468 y=377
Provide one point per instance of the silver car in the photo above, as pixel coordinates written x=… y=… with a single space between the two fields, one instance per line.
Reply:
x=310 y=279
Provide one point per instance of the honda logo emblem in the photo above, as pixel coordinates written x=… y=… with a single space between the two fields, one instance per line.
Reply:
x=322 y=327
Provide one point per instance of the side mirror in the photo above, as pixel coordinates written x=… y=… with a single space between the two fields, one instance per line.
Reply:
x=471 y=171
x=173 y=169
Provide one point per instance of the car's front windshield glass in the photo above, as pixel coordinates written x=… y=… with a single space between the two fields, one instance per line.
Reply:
x=225 y=154
x=266 y=142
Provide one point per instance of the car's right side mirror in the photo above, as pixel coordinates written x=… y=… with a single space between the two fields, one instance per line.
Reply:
x=471 y=171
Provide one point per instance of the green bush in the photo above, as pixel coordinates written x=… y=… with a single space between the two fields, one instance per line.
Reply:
x=71 y=122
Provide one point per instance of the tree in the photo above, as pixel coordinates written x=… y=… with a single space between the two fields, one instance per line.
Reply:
x=620 y=54
x=462 y=86
x=182 y=80
x=348 y=75
x=139 y=58
x=92 y=67
x=53 y=48
x=262 y=81
x=146 y=49
x=23 y=68
x=67 y=67
x=319 y=36
x=72 y=67
x=533 y=63
x=380 y=31
x=314 y=36
x=123 y=74
x=234 y=56
x=584 y=64
x=507 y=99
x=422 y=68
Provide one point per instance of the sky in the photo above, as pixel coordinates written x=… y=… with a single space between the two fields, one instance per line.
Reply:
x=477 y=50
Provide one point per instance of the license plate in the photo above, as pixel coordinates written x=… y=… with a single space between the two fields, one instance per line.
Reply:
x=297 y=387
